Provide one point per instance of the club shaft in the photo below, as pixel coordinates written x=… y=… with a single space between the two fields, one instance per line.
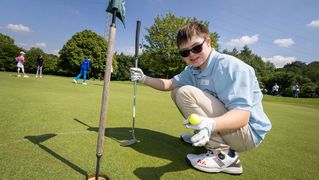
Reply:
x=137 y=43
x=134 y=110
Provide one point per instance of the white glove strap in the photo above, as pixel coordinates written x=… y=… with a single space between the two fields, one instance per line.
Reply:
x=143 y=79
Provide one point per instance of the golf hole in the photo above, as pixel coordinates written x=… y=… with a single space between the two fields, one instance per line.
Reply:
x=101 y=177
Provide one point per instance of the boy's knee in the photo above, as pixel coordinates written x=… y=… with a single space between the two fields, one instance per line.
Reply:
x=182 y=94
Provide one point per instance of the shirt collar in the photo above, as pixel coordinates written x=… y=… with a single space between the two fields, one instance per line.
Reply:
x=209 y=65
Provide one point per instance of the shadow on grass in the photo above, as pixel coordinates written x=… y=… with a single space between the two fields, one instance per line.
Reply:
x=37 y=140
x=155 y=144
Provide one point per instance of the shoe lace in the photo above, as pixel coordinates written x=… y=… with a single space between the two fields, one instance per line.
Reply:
x=208 y=153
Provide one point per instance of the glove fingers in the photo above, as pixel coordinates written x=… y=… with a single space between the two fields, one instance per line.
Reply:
x=200 y=139
x=198 y=136
x=136 y=70
x=202 y=142
x=195 y=127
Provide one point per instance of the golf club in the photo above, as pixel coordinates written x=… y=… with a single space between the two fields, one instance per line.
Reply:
x=137 y=37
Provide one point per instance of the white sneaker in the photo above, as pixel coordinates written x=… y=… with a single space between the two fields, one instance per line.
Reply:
x=186 y=138
x=74 y=81
x=84 y=83
x=36 y=76
x=19 y=75
x=25 y=76
x=40 y=76
x=215 y=163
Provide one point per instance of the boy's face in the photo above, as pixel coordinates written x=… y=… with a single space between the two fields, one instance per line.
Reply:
x=192 y=48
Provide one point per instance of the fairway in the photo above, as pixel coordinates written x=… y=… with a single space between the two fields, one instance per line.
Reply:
x=48 y=130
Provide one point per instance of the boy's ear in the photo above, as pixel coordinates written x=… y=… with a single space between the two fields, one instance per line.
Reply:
x=208 y=41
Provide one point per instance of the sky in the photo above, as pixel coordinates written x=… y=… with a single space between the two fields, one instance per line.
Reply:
x=279 y=31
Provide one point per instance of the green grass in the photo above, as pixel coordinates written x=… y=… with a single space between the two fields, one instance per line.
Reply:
x=48 y=130
x=305 y=102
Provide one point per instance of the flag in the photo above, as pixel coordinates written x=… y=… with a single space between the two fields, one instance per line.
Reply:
x=120 y=6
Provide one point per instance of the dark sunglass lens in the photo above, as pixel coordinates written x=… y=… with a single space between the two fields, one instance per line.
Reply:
x=184 y=53
x=197 y=49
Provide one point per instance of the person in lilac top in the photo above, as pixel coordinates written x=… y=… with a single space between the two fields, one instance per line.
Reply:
x=224 y=94
x=20 y=59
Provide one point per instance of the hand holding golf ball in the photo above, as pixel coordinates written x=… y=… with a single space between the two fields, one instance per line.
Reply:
x=194 y=119
x=204 y=125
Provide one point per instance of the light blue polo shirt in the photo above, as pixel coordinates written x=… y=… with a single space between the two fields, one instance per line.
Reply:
x=234 y=83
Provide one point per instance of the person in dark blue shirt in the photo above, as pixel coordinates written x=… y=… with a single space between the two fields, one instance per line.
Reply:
x=85 y=65
x=39 y=66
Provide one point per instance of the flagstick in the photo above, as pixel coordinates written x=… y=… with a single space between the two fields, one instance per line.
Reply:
x=106 y=87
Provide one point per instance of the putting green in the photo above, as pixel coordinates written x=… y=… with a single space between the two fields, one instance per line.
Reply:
x=48 y=130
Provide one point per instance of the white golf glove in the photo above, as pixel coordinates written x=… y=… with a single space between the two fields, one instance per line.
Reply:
x=137 y=75
x=204 y=129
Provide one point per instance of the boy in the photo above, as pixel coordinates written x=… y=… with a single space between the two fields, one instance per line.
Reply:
x=224 y=92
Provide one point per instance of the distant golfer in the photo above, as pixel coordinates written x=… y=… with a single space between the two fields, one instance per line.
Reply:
x=85 y=65
x=21 y=59
x=275 y=90
x=39 y=66
x=223 y=92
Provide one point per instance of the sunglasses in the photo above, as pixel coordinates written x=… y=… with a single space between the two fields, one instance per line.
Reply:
x=196 y=49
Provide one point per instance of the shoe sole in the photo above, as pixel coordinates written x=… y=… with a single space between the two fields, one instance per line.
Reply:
x=185 y=141
x=229 y=170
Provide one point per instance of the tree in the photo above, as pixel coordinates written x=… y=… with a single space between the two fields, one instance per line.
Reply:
x=4 y=39
x=283 y=79
x=83 y=44
x=50 y=64
x=309 y=90
x=161 y=57
x=8 y=51
x=234 y=52
x=253 y=60
x=124 y=63
x=312 y=72
x=31 y=59
x=296 y=67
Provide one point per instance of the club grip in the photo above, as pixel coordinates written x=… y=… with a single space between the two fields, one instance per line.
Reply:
x=137 y=37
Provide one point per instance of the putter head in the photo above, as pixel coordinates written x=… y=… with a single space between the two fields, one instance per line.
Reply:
x=129 y=142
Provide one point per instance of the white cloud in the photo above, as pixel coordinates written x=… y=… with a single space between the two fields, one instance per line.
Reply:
x=40 y=45
x=56 y=52
x=314 y=23
x=244 y=40
x=280 y=61
x=18 y=28
x=28 y=46
x=127 y=50
x=284 y=42
x=23 y=45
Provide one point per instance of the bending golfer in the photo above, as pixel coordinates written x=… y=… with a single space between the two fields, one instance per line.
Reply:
x=224 y=92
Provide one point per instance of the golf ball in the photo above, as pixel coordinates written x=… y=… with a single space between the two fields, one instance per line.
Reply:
x=194 y=119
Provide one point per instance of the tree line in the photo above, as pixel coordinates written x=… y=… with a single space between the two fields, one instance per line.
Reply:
x=159 y=58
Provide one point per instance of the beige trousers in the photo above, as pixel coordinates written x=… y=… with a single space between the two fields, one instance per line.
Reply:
x=190 y=99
